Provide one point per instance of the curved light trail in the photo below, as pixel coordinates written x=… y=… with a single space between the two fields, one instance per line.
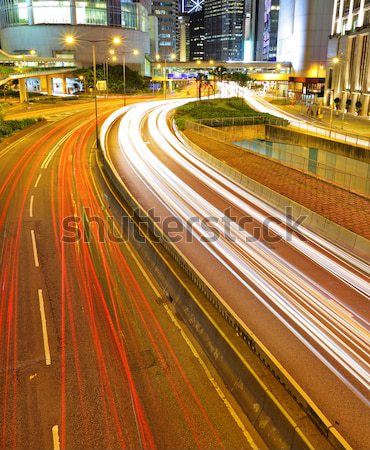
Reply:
x=323 y=321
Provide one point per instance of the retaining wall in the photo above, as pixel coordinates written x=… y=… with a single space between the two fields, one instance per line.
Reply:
x=288 y=136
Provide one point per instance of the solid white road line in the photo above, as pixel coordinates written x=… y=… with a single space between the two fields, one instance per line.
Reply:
x=37 y=181
x=31 y=206
x=44 y=330
x=56 y=443
x=35 y=256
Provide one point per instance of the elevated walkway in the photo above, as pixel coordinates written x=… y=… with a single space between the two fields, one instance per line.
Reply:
x=24 y=67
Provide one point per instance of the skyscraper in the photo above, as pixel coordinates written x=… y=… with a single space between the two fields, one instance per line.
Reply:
x=268 y=20
x=224 y=29
x=167 y=14
x=304 y=28
x=196 y=35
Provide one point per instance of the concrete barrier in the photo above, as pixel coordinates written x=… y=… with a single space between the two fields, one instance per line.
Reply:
x=270 y=418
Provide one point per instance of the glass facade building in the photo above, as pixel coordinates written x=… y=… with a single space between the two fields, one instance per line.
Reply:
x=112 y=13
x=168 y=26
x=224 y=33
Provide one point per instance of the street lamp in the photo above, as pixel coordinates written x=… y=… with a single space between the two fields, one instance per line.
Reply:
x=70 y=40
x=113 y=59
x=158 y=57
x=134 y=52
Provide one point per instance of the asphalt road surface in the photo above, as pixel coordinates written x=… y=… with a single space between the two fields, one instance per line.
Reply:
x=305 y=299
x=89 y=358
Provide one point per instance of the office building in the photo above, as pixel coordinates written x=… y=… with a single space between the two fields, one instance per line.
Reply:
x=267 y=30
x=304 y=27
x=349 y=57
x=168 y=26
x=196 y=35
x=41 y=25
x=224 y=30
x=184 y=41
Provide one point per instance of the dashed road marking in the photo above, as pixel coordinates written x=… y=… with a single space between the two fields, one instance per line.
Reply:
x=37 y=181
x=56 y=443
x=31 y=206
x=44 y=329
x=34 y=247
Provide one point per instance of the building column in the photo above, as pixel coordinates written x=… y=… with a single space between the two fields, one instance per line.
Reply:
x=30 y=12
x=43 y=83
x=49 y=85
x=73 y=12
x=22 y=90
x=365 y=105
x=64 y=85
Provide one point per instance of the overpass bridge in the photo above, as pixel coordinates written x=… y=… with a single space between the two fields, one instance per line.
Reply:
x=258 y=70
x=36 y=73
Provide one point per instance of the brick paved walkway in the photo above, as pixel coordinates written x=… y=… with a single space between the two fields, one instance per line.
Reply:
x=338 y=205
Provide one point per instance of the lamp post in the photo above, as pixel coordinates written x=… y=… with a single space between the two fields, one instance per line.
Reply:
x=173 y=57
x=70 y=40
x=133 y=52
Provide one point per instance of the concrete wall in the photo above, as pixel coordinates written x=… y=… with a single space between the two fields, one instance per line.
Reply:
x=304 y=27
x=48 y=39
x=306 y=140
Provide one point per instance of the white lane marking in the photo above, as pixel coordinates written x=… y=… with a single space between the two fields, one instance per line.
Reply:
x=56 y=443
x=31 y=206
x=44 y=329
x=35 y=256
x=214 y=383
x=37 y=181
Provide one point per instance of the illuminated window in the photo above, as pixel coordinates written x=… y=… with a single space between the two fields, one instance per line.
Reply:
x=51 y=11
x=13 y=13
x=91 y=12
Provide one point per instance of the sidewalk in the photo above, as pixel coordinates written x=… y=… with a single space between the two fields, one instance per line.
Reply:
x=350 y=124
x=338 y=205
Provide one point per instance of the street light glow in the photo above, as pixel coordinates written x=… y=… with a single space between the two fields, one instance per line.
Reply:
x=199 y=62
x=32 y=52
x=135 y=52
x=173 y=55
x=111 y=51
x=114 y=58
x=157 y=57
x=69 y=39
x=116 y=40
x=211 y=62
x=336 y=60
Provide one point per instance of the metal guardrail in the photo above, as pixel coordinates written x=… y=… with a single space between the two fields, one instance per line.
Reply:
x=238 y=121
x=333 y=133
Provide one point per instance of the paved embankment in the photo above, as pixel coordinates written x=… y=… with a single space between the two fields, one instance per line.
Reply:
x=338 y=205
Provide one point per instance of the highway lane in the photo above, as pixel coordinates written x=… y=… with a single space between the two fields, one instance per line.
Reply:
x=89 y=358
x=313 y=296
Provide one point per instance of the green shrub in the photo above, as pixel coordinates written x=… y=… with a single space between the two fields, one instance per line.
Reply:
x=216 y=109
x=7 y=127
